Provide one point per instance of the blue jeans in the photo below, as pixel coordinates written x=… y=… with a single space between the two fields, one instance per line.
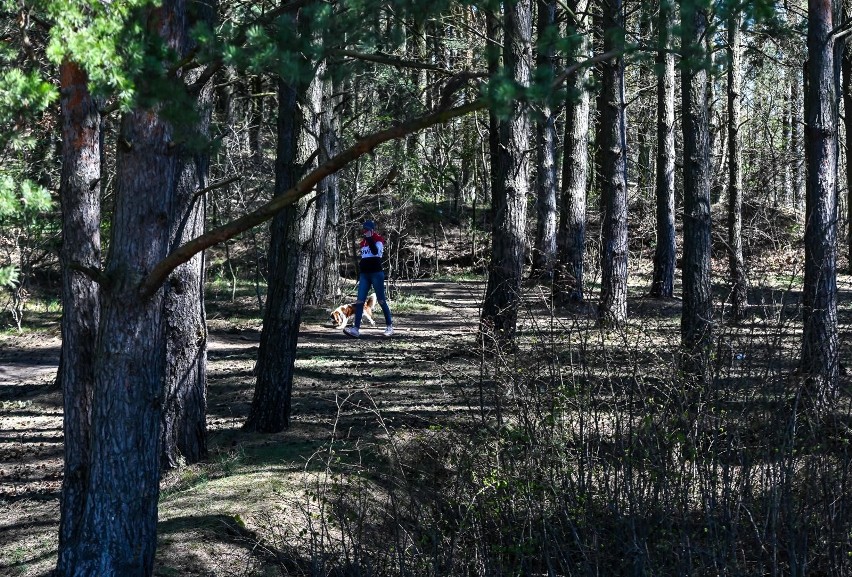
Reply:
x=377 y=281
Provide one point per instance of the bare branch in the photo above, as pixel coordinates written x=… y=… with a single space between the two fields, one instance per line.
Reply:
x=93 y=273
x=266 y=212
x=382 y=58
x=215 y=185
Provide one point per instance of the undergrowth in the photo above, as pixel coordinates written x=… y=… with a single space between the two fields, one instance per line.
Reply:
x=585 y=452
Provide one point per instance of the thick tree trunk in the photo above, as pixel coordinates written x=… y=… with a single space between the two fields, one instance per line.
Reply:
x=184 y=428
x=288 y=264
x=544 y=254
x=571 y=238
x=503 y=290
x=118 y=533
x=662 y=284
x=736 y=266
x=79 y=196
x=697 y=311
x=819 y=337
x=612 y=308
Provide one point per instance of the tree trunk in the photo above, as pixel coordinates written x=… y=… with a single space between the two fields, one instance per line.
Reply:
x=571 y=238
x=544 y=254
x=665 y=252
x=644 y=123
x=288 y=265
x=319 y=115
x=739 y=294
x=492 y=54
x=716 y=185
x=819 y=337
x=330 y=186
x=255 y=119
x=697 y=311
x=417 y=141
x=118 y=532
x=117 y=535
x=786 y=153
x=797 y=138
x=612 y=308
x=79 y=196
x=503 y=290
x=847 y=110
x=184 y=428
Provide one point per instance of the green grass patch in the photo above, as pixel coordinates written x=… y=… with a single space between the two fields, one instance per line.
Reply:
x=413 y=303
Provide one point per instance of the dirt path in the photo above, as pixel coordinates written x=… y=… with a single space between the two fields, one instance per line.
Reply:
x=339 y=383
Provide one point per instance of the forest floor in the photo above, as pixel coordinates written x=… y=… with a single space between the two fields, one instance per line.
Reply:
x=242 y=509
x=342 y=385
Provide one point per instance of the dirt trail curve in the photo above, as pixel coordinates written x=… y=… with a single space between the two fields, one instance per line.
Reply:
x=401 y=375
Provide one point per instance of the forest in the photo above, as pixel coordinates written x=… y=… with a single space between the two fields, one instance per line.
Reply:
x=617 y=250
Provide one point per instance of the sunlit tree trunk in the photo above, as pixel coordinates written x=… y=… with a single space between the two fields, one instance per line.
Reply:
x=320 y=116
x=503 y=290
x=819 y=337
x=613 y=142
x=847 y=110
x=79 y=195
x=184 y=428
x=797 y=137
x=736 y=266
x=544 y=253
x=697 y=311
x=330 y=187
x=662 y=284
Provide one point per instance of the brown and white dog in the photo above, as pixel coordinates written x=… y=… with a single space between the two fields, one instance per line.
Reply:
x=341 y=315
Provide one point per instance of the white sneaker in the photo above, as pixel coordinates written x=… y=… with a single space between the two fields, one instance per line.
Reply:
x=388 y=330
x=352 y=332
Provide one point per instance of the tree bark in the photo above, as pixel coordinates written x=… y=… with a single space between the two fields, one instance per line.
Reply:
x=79 y=196
x=255 y=119
x=571 y=238
x=184 y=428
x=847 y=109
x=797 y=138
x=330 y=188
x=786 y=154
x=503 y=290
x=819 y=362
x=736 y=266
x=697 y=311
x=665 y=252
x=288 y=264
x=319 y=115
x=612 y=308
x=118 y=533
x=644 y=124
x=544 y=254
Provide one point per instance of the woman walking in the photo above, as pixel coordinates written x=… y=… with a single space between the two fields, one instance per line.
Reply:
x=371 y=274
